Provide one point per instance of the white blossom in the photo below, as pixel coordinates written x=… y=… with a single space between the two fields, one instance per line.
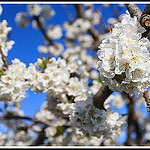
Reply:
x=56 y=49
x=76 y=28
x=54 y=32
x=47 y=12
x=34 y=9
x=112 y=21
x=1 y=9
x=42 y=49
x=95 y=86
x=93 y=121
x=12 y=83
x=4 y=44
x=124 y=58
x=85 y=41
x=21 y=20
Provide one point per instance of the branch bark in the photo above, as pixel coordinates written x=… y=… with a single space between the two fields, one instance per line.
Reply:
x=99 y=99
x=134 y=10
x=8 y=117
x=133 y=123
x=147 y=99
x=145 y=17
x=80 y=14
x=79 y=11
x=40 y=139
x=43 y=30
x=5 y=60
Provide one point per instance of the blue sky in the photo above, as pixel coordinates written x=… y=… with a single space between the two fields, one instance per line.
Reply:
x=27 y=40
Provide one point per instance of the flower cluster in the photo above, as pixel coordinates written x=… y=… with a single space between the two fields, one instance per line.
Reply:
x=76 y=28
x=124 y=60
x=93 y=121
x=12 y=82
x=52 y=78
x=4 y=44
x=44 y=11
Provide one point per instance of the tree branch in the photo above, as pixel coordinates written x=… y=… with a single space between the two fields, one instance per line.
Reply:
x=5 y=60
x=43 y=30
x=99 y=99
x=134 y=10
x=147 y=99
x=80 y=14
x=133 y=122
x=145 y=17
x=40 y=139
x=79 y=11
x=8 y=117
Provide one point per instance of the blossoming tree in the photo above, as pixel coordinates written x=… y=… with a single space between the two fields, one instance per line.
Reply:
x=82 y=90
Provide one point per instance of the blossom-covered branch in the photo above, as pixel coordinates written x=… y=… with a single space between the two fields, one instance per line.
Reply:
x=36 y=18
x=134 y=10
x=100 y=97
x=80 y=14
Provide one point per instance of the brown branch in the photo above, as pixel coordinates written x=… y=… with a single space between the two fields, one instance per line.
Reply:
x=134 y=10
x=93 y=34
x=91 y=31
x=133 y=123
x=99 y=99
x=147 y=99
x=40 y=139
x=8 y=117
x=5 y=60
x=43 y=30
x=79 y=11
x=145 y=17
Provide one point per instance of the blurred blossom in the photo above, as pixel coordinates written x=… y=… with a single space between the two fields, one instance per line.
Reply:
x=34 y=10
x=47 y=12
x=35 y=24
x=43 y=49
x=54 y=32
x=112 y=21
x=21 y=20
x=56 y=49
x=1 y=9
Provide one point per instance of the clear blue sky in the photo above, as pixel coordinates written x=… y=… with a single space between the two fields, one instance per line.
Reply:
x=28 y=39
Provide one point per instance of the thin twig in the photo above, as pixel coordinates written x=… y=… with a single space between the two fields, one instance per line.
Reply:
x=43 y=30
x=80 y=14
x=5 y=60
x=8 y=117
